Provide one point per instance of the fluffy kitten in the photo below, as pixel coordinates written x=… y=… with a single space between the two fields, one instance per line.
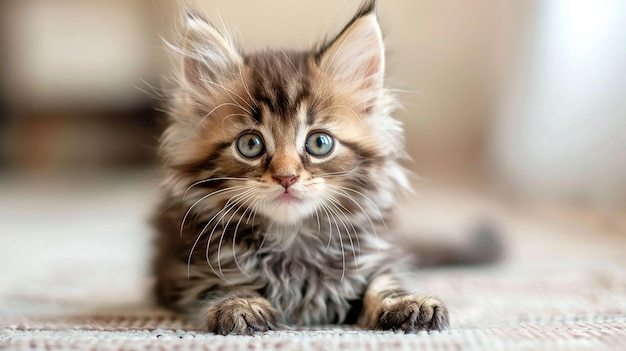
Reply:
x=281 y=168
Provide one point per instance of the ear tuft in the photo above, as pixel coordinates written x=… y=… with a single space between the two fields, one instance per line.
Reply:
x=207 y=53
x=357 y=53
x=367 y=7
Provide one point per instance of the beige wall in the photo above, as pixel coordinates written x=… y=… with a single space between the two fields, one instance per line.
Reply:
x=94 y=54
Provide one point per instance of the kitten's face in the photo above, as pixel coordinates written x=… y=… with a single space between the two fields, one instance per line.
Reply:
x=289 y=135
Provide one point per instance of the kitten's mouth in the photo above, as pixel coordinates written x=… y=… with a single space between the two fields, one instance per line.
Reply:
x=288 y=206
x=287 y=197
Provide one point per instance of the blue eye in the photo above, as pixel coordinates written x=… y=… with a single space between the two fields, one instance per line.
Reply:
x=250 y=145
x=319 y=144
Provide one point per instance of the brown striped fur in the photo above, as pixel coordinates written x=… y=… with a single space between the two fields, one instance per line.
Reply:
x=285 y=237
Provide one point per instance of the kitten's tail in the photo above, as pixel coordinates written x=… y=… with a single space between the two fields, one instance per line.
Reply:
x=483 y=245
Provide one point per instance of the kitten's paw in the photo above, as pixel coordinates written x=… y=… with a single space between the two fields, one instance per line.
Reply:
x=413 y=313
x=242 y=316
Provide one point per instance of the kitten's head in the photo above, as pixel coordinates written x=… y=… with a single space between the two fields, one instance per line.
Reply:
x=289 y=135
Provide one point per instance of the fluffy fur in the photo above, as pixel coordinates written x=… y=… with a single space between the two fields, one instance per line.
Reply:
x=250 y=243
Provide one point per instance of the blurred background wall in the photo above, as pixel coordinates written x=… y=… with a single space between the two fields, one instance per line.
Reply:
x=528 y=96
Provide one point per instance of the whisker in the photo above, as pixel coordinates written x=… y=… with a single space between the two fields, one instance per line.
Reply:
x=233 y=202
x=225 y=190
x=347 y=230
x=193 y=247
x=232 y=114
x=330 y=174
x=343 y=253
x=342 y=107
x=243 y=215
x=336 y=201
x=317 y=216
x=255 y=212
x=210 y=180
x=330 y=227
x=222 y=105
x=258 y=250
x=245 y=87
x=344 y=211
x=347 y=196
x=229 y=91
x=380 y=214
x=225 y=228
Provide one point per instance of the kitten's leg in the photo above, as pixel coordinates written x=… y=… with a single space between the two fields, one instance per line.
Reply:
x=221 y=310
x=240 y=313
x=388 y=306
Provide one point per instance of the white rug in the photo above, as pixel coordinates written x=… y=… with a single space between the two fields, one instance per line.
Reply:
x=74 y=264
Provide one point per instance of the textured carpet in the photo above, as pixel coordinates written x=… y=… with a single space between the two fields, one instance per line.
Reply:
x=74 y=275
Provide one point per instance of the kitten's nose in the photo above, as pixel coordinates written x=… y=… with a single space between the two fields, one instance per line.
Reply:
x=287 y=181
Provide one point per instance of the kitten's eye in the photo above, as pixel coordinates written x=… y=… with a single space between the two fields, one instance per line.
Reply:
x=319 y=144
x=250 y=145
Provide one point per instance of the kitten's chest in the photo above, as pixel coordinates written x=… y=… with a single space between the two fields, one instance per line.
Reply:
x=310 y=283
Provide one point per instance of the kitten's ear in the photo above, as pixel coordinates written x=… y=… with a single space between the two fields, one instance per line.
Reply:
x=357 y=53
x=207 y=53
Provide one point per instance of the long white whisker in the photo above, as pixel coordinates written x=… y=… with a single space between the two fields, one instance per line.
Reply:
x=330 y=227
x=342 y=107
x=325 y=175
x=380 y=214
x=343 y=251
x=222 y=105
x=245 y=87
x=255 y=212
x=243 y=215
x=346 y=228
x=241 y=201
x=209 y=180
x=344 y=211
x=225 y=190
x=261 y=202
x=232 y=114
x=345 y=195
x=317 y=216
x=193 y=247
x=229 y=91
x=343 y=254
x=231 y=203
x=340 y=191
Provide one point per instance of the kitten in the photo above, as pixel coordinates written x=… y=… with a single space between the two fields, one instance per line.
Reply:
x=281 y=169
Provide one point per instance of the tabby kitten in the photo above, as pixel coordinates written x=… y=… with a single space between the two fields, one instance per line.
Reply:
x=281 y=168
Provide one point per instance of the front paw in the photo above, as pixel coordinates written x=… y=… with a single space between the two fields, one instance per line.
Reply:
x=242 y=316
x=412 y=313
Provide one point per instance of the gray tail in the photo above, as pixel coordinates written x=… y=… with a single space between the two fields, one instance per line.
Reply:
x=483 y=245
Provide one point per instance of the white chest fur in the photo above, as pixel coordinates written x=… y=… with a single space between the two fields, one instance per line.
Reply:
x=311 y=282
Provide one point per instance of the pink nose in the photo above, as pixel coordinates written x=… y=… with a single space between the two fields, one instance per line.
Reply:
x=286 y=182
